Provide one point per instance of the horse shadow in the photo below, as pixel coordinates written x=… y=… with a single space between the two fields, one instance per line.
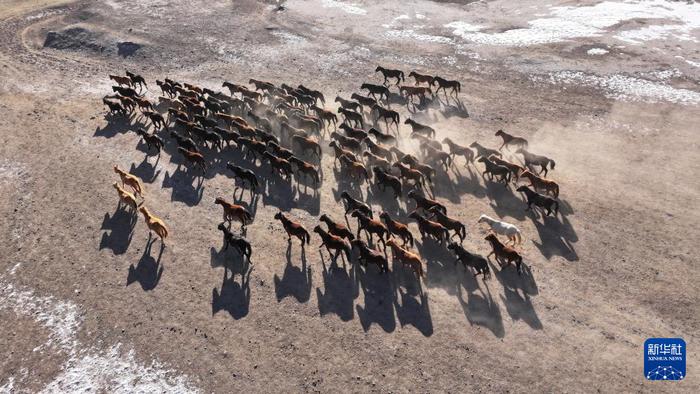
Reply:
x=445 y=188
x=310 y=203
x=339 y=291
x=518 y=290
x=143 y=147
x=345 y=183
x=145 y=170
x=454 y=110
x=295 y=282
x=281 y=193
x=116 y=124
x=556 y=238
x=379 y=300
x=440 y=268
x=413 y=308
x=186 y=186
x=119 y=230
x=232 y=297
x=385 y=199
x=482 y=310
x=468 y=185
x=504 y=202
x=148 y=270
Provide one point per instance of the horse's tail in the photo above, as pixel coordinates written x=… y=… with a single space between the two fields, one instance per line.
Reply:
x=520 y=237
x=552 y=163
x=402 y=77
x=556 y=207
x=459 y=87
x=463 y=230
x=307 y=237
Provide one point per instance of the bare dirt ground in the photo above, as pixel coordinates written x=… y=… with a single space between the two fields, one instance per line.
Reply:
x=84 y=304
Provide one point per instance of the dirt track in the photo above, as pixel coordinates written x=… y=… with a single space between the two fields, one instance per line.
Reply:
x=79 y=290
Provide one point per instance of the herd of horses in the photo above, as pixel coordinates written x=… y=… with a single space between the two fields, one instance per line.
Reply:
x=286 y=128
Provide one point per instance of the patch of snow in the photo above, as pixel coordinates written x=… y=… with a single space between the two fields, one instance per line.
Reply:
x=692 y=63
x=85 y=369
x=14 y=268
x=625 y=88
x=664 y=75
x=114 y=372
x=289 y=38
x=597 y=51
x=61 y=318
x=413 y=35
x=350 y=8
x=566 y=23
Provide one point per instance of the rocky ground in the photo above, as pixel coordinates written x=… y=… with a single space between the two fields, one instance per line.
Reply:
x=607 y=89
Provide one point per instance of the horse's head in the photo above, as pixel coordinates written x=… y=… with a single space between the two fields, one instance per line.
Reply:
x=219 y=200
x=474 y=144
x=452 y=246
x=278 y=215
x=499 y=132
x=482 y=218
x=522 y=189
x=222 y=227
x=379 y=68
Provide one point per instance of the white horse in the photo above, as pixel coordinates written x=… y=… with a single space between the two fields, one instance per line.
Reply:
x=503 y=228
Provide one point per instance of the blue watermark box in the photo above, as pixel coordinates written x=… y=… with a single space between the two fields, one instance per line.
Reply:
x=664 y=359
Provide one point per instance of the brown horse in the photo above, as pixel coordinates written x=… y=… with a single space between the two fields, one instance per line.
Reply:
x=371 y=226
x=370 y=255
x=333 y=242
x=459 y=150
x=234 y=212
x=293 y=228
x=336 y=228
x=407 y=258
x=397 y=228
x=549 y=187
x=532 y=159
x=504 y=254
x=194 y=158
x=429 y=228
x=421 y=78
x=511 y=140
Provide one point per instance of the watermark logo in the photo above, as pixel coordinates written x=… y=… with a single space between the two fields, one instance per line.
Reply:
x=664 y=359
